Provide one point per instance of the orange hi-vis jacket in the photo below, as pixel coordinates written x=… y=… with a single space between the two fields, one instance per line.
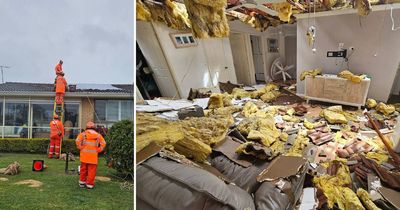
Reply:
x=56 y=129
x=90 y=143
x=58 y=68
x=60 y=84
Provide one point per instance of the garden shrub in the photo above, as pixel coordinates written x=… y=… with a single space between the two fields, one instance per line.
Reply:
x=119 y=149
x=35 y=145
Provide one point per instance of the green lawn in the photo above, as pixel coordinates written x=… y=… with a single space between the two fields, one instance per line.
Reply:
x=59 y=191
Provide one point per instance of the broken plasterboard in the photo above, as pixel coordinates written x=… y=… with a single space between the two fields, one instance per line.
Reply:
x=308 y=199
x=147 y=152
x=282 y=167
x=391 y=195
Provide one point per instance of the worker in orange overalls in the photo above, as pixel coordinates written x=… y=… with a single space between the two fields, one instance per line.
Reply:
x=58 y=68
x=90 y=143
x=56 y=134
x=61 y=85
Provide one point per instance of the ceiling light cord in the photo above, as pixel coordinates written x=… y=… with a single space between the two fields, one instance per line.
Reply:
x=391 y=17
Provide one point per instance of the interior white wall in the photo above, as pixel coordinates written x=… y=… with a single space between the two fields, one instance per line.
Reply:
x=396 y=84
x=197 y=67
x=290 y=54
x=278 y=33
x=371 y=35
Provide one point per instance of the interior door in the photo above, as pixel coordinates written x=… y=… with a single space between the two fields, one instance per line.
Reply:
x=151 y=49
x=240 y=51
x=256 y=48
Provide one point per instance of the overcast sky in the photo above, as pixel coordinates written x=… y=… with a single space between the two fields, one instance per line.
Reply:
x=93 y=37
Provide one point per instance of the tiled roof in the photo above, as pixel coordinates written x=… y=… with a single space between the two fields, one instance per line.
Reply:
x=19 y=87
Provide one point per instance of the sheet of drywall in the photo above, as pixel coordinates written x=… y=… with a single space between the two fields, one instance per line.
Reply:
x=199 y=66
x=154 y=55
x=376 y=48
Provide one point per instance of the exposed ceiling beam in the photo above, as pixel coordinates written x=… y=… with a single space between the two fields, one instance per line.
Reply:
x=381 y=7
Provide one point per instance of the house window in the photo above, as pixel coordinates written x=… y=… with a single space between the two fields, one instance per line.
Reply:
x=42 y=114
x=71 y=120
x=16 y=119
x=127 y=110
x=109 y=111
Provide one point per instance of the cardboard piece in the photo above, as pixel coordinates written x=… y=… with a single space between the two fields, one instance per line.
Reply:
x=282 y=167
x=147 y=152
x=228 y=148
x=391 y=195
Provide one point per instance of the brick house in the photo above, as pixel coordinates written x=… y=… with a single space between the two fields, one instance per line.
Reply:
x=27 y=108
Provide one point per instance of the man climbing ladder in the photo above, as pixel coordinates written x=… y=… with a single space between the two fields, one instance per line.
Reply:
x=56 y=125
x=56 y=135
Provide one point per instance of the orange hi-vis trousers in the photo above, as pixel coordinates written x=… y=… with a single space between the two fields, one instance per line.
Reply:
x=59 y=98
x=88 y=173
x=54 y=147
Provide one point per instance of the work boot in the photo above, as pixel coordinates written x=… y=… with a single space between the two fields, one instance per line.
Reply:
x=82 y=184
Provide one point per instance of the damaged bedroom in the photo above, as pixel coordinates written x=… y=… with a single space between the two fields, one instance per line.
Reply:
x=267 y=104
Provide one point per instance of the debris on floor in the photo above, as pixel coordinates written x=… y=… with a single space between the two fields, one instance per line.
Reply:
x=245 y=138
x=12 y=169
x=103 y=178
x=30 y=182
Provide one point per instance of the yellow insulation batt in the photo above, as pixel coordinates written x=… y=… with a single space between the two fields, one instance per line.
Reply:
x=299 y=144
x=363 y=7
x=334 y=117
x=240 y=93
x=270 y=96
x=371 y=103
x=171 y=13
x=219 y=100
x=284 y=11
x=208 y=18
x=313 y=73
x=193 y=148
x=346 y=74
x=151 y=128
x=250 y=109
x=377 y=157
x=385 y=109
x=200 y=134
x=208 y=130
x=142 y=12
x=334 y=188
x=366 y=200
x=260 y=129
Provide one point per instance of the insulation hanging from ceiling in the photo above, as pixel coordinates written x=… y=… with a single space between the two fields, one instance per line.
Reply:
x=172 y=14
x=284 y=10
x=142 y=12
x=208 y=18
x=363 y=7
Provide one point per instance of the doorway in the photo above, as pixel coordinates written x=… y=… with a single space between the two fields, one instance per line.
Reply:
x=258 y=60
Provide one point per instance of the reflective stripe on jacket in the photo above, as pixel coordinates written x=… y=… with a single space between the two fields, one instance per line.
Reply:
x=90 y=143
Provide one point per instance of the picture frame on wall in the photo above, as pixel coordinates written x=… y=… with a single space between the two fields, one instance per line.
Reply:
x=182 y=40
x=272 y=45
